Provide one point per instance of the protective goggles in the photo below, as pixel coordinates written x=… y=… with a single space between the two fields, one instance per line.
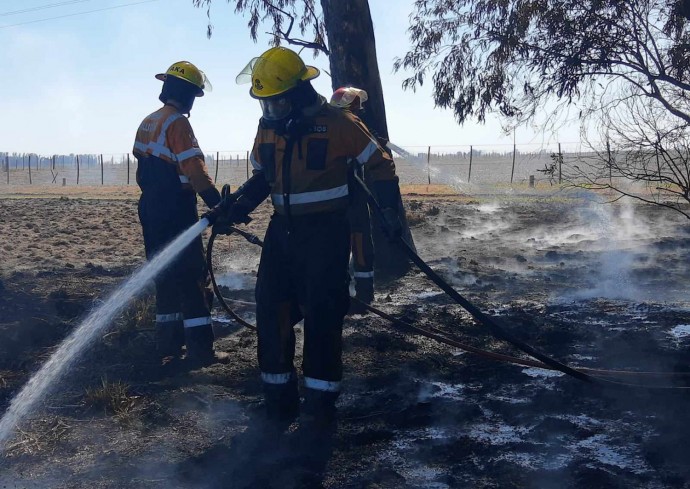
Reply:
x=275 y=108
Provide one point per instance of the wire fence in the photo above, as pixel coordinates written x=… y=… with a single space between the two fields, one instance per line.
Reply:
x=450 y=165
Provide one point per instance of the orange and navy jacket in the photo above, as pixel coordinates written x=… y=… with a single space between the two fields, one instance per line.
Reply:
x=168 y=135
x=309 y=174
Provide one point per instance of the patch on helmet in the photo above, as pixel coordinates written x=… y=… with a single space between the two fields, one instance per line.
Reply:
x=258 y=85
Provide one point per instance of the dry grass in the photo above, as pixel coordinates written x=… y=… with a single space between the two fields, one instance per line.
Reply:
x=140 y=315
x=43 y=435
x=113 y=397
x=8 y=378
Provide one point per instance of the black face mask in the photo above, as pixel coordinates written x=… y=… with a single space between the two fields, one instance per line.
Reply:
x=293 y=128
x=181 y=91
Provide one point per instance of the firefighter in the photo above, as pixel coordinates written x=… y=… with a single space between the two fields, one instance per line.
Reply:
x=170 y=173
x=361 y=241
x=300 y=157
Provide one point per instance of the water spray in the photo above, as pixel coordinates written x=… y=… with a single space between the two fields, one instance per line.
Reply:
x=97 y=323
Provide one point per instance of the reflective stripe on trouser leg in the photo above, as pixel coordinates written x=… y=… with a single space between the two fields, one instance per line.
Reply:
x=168 y=318
x=321 y=385
x=277 y=379
x=196 y=322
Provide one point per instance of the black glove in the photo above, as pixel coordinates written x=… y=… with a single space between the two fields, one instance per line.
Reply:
x=211 y=197
x=236 y=213
x=392 y=227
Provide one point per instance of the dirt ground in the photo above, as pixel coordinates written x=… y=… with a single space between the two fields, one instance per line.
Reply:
x=602 y=286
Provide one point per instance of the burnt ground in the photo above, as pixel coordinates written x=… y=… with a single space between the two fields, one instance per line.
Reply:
x=593 y=285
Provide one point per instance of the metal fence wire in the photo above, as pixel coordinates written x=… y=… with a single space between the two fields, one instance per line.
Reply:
x=449 y=165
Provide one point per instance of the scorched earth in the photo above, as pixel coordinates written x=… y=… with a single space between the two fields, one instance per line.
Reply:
x=595 y=285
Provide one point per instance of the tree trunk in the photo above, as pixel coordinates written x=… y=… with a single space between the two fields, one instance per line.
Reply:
x=353 y=62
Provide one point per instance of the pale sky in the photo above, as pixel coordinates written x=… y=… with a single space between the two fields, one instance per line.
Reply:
x=82 y=83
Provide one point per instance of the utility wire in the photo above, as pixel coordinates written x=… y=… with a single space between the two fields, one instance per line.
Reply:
x=78 y=13
x=42 y=7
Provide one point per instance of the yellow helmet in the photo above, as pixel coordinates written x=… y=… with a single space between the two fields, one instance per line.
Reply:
x=186 y=71
x=274 y=72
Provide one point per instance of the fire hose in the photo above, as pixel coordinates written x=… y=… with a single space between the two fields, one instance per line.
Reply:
x=595 y=376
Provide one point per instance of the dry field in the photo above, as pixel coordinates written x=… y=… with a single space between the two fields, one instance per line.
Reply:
x=594 y=285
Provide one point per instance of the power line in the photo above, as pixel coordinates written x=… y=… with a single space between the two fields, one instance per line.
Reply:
x=78 y=13
x=42 y=7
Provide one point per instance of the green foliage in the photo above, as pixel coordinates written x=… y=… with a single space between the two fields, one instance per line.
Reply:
x=281 y=16
x=511 y=56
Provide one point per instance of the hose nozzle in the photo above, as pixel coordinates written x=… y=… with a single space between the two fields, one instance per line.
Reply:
x=226 y=200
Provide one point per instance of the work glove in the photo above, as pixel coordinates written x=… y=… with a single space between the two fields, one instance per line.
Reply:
x=235 y=213
x=392 y=227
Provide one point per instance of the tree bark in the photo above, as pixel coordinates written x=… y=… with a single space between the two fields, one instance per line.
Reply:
x=353 y=62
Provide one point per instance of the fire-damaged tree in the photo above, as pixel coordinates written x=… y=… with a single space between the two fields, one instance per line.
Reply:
x=344 y=32
x=618 y=63
x=651 y=149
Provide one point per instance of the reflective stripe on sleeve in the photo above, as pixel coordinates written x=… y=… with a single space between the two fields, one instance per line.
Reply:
x=283 y=378
x=189 y=153
x=195 y=322
x=257 y=166
x=141 y=146
x=166 y=318
x=311 y=197
x=364 y=274
x=321 y=385
x=368 y=151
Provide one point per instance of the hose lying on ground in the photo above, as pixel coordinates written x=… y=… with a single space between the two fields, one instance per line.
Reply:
x=598 y=376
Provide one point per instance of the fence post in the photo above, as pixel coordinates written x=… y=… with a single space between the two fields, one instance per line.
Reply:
x=215 y=179
x=512 y=171
x=247 y=163
x=560 y=165
x=101 y=169
x=428 y=159
x=7 y=162
x=77 y=169
x=608 y=152
x=127 y=168
x=469 y=174
x=30 y=168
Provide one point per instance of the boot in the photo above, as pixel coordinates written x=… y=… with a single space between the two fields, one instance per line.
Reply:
x=364 y=292
x=199 y=340
x=319 y=411
x=282 y=402
x=169 y=338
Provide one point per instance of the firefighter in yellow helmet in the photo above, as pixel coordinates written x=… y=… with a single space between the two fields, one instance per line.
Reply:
x=361 y=241
x=301 y=155
x=171 y=172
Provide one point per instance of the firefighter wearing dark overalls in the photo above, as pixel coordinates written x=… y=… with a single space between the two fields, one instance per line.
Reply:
x=171 y=171
x=300 y=157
